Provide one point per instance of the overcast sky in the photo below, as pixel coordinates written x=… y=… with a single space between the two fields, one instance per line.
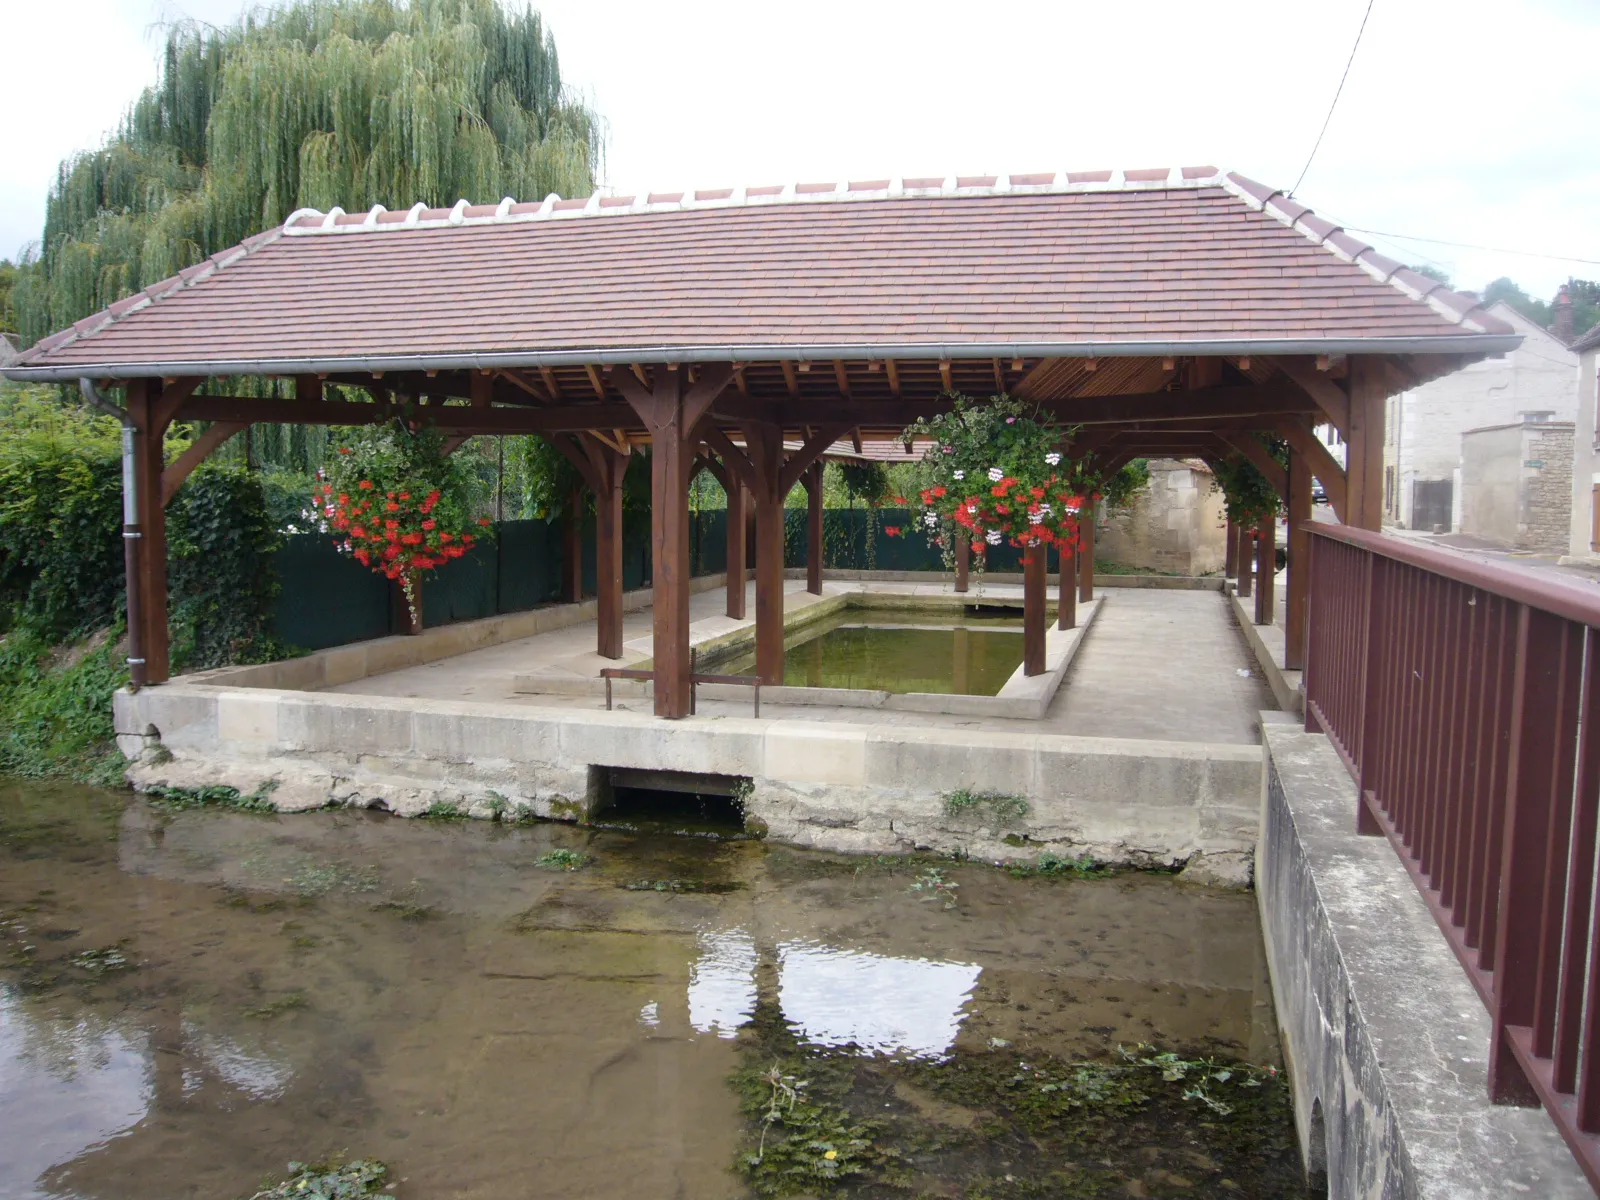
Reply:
x=1463 y=120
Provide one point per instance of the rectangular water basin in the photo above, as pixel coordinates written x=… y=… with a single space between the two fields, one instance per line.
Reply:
x=899 y=651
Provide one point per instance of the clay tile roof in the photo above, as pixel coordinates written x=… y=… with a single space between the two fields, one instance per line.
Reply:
x=1092 y=263
x=1589 y=341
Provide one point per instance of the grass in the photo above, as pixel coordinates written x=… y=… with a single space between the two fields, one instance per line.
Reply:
x=443 y=810
x=1055 y=866
x=55 y=708
x=1004 y=808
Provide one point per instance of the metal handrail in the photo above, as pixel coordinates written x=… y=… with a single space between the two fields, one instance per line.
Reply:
x=695 y=679
x=1552 y=595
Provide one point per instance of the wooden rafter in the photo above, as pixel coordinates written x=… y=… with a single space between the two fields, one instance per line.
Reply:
x=791 y=378
x=551 y=383
x=522 y=380
x=842 y=377
x=894 y=377
x=1328 y=396
x=945 y=376
x=595 y=381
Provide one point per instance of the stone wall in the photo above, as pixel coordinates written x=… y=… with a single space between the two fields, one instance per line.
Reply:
x=1384 y=1038
x=1516 y=484
x=1176 y=525
x=858 y=788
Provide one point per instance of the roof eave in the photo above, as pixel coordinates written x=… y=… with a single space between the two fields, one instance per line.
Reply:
x=1460 y=343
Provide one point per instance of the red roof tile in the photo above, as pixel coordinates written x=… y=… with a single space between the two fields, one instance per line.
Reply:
x=1076 y=263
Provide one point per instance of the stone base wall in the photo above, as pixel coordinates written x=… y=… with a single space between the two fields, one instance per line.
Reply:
x=857 y=788
x=1176 y=524
x=1384 y=1038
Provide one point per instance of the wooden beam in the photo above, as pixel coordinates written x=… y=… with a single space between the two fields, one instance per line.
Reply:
x=812 y=478
x=199 y=450
x=841 y=377
x=999 y=377
x=1319 y=461
x=455 y=418
x=944 y=375
x=521 y=380
x=791 y=379
x=1332 y=401
x=800 y=460
x=894 y=377
x=551 y=383
x=595 y=381
x=855 y=440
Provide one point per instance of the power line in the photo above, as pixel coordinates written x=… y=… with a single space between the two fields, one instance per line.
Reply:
x=1406 y=237
x=1335 y=103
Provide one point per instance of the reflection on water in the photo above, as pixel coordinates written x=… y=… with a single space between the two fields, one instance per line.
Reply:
x=65 y=1088
x=426 y=994
x=722 y=983
x=884 y=1005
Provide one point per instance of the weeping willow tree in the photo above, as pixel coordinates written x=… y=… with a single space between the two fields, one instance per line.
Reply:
x=321 y=103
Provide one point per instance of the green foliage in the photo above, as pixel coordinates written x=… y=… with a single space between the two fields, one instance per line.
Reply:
x=1584 y=294
x=60 y=515
x=1127 y=485
x=967 y=803
x=548 y=477
x=868 y=482
x=320 y=103
x=1059 y=866
x=1246 y=493
x=181 y=799
x=55 y=707
x=334 y=1180
x=562 y=860
x=8 y=284
x=443 y=810
x=809 y=1139
x=220 y=541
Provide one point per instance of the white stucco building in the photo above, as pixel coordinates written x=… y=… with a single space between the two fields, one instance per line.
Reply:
x=1585 y=538
x=1422 y=443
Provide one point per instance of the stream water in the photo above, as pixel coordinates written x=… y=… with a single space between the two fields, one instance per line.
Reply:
x=190 y=999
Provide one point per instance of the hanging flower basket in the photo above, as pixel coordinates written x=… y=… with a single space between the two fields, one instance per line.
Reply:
x=996 y=473
x=397 y=504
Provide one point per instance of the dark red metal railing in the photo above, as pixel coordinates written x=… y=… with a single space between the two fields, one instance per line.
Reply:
x=1465 y=700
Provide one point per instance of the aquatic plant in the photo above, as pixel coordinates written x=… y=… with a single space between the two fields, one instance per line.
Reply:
x=276 y=1008
x=443 y=810
x=334 y=1180
x=1004 y=808
x=1055 y=866
x=934 y=886
x=562 y=860
x=215 y=796
x=98 y=962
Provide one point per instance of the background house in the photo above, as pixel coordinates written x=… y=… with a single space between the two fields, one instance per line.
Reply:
x=1423 y=436
x=1584 y=535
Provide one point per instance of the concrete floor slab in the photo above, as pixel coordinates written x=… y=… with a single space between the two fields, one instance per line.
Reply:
x=1160 y=664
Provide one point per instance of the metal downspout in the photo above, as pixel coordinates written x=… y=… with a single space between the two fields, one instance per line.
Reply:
x=132 y=533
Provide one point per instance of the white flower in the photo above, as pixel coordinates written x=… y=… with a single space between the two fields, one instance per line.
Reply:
x=960 y=474
x=996 y=474
x=931 y=519
x=1046 y=511
x=1035 y=517
x=1052 y=458
x=972 y=510
x=992 y=537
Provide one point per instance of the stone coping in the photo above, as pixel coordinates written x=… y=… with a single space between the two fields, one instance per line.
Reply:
x=1268 y=644
x=1385 y=1039
x=1193 y=583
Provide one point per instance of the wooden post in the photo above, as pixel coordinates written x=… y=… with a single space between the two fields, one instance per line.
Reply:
x=1266 y=568
x=671 y=413
x=1230 y=565
x=1364 y=474
x=572 y=548
x=1067 y=598
x=963 y=560
x=737 y=571
x=151 y=417
x=1035 y=570
x=1299 y=585
x=611 y=468
x=813 y=483
x=1085 y=554
x=1244 y=569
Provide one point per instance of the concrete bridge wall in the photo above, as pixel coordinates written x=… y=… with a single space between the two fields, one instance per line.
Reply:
x=855 y=787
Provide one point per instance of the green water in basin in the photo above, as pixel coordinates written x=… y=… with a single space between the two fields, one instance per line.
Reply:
x=893 y=651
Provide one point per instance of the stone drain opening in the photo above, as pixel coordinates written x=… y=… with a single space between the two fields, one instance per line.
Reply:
x=681 y=802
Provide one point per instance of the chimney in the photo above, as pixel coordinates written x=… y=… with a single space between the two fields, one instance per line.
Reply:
x=1561 y=316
